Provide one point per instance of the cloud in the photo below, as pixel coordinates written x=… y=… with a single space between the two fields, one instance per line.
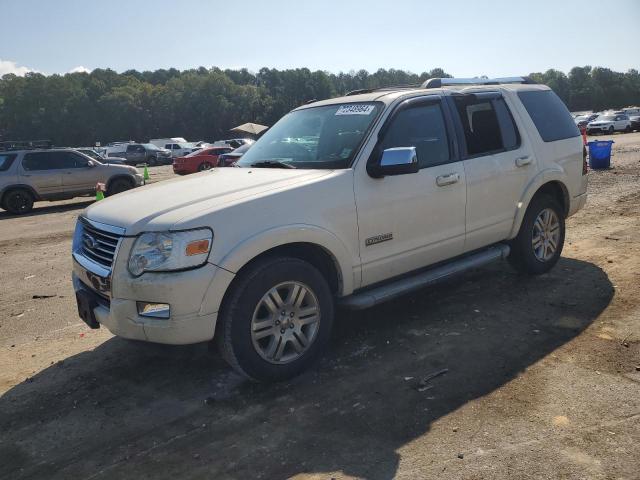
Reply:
x=80 y=69
x=7 y=66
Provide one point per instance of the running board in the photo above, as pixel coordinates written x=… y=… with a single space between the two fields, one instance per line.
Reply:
x=389 y=291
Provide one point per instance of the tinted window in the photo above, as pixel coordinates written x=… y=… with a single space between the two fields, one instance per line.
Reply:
x=508 y=129
x=422 y=127
x=549 y=114
x=135 y=148
x=6 y=159
x=39 y=161
x=480 y=125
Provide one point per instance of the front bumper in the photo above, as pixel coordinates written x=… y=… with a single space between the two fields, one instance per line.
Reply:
x=139 y=179
x=194 y=296
x=601 y=129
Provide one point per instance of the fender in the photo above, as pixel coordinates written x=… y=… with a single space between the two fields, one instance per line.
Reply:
x=266 y=240
x=553 y=173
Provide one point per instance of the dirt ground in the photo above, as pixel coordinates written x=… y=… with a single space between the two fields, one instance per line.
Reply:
x=542 y=374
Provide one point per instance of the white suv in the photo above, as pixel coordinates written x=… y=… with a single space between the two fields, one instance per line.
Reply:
x=350 y=201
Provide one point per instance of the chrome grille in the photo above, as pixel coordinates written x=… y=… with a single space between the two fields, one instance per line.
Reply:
x=98 y=245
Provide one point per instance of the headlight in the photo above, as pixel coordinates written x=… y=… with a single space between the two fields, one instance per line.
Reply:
x=166 y=251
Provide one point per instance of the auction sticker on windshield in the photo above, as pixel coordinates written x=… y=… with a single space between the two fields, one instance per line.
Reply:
x=355 y=109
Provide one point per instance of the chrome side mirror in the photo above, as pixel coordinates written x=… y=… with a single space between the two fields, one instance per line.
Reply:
x=395 y=161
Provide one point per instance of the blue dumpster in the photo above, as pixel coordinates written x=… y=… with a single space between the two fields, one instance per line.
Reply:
x=600 y=153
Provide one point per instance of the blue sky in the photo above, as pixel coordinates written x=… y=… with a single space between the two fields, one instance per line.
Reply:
x=465 y=38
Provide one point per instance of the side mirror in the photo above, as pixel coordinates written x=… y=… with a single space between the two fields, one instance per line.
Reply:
x=91 y=164
x=395 y=161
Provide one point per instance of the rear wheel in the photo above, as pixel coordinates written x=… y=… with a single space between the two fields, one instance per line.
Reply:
x=18 y=201
x=611 y=130
x=276 y=319
x=204 y=166
x=539 y=243
x=119 y=185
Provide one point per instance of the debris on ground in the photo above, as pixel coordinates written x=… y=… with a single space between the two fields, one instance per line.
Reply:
x=36 y=297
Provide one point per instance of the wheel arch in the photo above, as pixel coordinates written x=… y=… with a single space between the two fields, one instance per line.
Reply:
x=120 y=176
x=19 y=186
x=550 y=183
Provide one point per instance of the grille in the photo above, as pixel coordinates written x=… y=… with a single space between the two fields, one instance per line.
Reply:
x=98 y=245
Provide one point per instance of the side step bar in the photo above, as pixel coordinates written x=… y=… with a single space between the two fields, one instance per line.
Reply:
x=389 y=291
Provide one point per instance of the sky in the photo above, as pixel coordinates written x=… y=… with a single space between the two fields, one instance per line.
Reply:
x=466 y=38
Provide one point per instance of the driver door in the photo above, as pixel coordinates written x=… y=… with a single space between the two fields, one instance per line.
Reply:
x=410 y=221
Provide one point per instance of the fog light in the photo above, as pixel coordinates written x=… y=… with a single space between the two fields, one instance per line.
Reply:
x=154 y=310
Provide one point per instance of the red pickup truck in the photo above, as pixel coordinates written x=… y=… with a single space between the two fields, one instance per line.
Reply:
x=199 y=160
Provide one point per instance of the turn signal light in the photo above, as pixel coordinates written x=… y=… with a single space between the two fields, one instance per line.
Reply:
x=197 y=247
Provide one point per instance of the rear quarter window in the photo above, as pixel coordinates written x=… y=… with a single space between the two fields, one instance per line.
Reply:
x=549 y=114
x=6 y=160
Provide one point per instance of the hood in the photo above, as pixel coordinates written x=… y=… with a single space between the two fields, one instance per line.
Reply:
x=161 y=205
x=601 y=122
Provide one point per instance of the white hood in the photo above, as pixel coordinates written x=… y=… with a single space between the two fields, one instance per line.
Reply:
x=160 y=206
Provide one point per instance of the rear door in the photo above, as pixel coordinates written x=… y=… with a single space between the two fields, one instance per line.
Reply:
x=498 y=164
x=43 y=172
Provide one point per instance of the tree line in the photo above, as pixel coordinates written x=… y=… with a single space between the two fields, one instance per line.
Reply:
x=203 y=104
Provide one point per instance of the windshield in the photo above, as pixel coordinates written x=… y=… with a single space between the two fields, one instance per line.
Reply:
x=150 y=146
x=242 y=149
x=317 y=137
x=606 y=117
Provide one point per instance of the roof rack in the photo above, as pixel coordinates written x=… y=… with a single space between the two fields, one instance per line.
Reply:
x=444 y=82
x=25 y=144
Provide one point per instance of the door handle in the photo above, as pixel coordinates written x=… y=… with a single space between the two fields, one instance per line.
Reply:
x=449 y=179
x=522 y=161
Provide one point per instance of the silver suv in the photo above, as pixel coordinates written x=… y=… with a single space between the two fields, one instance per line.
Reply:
x=27 y=176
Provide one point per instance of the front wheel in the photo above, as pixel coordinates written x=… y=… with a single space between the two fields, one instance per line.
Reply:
x=118 y=186
x=276 y=319
x=539 y=243
x=611 y=131
x=204 y=166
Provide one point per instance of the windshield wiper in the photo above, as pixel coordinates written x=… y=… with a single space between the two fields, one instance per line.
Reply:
x=271 y=164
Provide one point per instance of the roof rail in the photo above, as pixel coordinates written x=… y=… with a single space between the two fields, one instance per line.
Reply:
x=25 y=144
x=444 y=82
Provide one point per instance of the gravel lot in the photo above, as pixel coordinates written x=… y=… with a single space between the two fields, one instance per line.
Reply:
x=542 y=379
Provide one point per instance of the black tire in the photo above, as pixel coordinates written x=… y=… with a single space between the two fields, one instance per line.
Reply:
x=204 y=166
x=119 y=185
x=628 y=129
x=18 y=201
x=611 y=131
x=153 y=161
x=522 y=256
x=234 y=330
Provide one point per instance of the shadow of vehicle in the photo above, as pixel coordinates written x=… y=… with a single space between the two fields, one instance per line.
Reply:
x=136 y=410
x=43 y=210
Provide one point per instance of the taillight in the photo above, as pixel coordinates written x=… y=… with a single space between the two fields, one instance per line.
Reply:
x=585 y=168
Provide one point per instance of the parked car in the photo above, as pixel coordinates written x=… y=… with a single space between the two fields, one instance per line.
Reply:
x=161 y=142
x=635 y=122
x=229 y=159
x=400 y=187
x=90 y=152
x=609 y=123
x=138 y=153
x=202 y=159
x=28 y=176
x=180 y=149
x=233 y=142
x=583 y=120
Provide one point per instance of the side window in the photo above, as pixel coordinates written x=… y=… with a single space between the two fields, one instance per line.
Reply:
x=62 y=160
x=480 y=125
x=508 y=128
x=168 y=146
x=75 y=161
x=38 y=161
x=6 y=159
x=549 y=114
x=423 y=127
